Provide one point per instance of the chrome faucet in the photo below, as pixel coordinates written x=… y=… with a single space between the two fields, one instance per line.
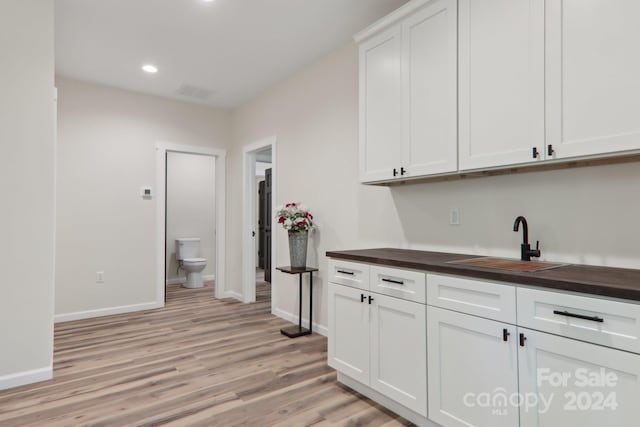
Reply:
x=525 y=249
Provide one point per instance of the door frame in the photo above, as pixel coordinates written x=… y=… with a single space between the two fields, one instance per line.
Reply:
x=162 y=148
x=249 y=190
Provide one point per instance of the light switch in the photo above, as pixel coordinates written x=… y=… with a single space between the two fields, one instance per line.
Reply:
x=146 y=192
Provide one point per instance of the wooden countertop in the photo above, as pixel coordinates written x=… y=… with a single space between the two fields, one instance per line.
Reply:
x=605 y=281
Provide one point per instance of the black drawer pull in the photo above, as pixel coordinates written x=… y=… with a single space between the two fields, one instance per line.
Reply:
x=505 y=335
x=362 y=297
x=579 y=316
x=522 y=340
x=350 y=273
x=397 y=282
x=370 y=299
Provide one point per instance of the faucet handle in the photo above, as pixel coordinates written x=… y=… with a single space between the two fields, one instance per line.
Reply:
x=536 y=251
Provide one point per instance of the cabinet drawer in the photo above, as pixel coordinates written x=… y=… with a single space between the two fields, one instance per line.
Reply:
x=485 y=299
x=610 y=323
x=405 y=284
x=349 y=273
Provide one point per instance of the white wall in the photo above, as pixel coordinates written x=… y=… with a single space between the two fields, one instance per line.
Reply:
x=314 y=116
x=191 y=208
x=584 y=215
x=106 y=153
x=27 y=188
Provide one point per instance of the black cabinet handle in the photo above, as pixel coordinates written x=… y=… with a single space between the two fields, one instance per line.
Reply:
x=350 y=273
x=535 y=152
x=370 y=299
x=505 y=335
x=522 y=340
x=362 y=297
x=550 y=150
x=579 y=316
x=402 y=171
x=397 y=282
x=395 y=171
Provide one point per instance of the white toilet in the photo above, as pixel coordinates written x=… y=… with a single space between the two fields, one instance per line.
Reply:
x=188 y=257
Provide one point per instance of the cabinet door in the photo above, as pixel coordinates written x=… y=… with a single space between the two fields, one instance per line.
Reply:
x=380 y=106
x=348 y=350
x=472 y=369
x=399 y=351
x=501 y=98
x=429 y=39
x=554 y=369
x=593 y=89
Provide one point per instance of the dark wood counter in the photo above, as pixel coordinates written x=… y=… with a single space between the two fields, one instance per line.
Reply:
x=605 y=281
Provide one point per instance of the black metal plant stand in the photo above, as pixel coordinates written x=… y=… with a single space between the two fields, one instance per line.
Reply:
x=298 y=331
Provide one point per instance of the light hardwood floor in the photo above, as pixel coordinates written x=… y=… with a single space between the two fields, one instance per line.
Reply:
x=197 y=362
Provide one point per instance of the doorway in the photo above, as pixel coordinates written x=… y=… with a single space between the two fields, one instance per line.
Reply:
x=259 y=240
x=264 y=176
x=163 y=150
x=190 y=214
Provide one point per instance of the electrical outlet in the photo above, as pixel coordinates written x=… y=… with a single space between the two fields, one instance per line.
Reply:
x=454 y=216
x=99 y=276
x=146 y=193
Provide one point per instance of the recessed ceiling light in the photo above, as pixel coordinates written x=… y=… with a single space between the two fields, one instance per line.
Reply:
x=150 y=68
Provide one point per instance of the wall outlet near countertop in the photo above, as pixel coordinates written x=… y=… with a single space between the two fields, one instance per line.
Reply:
x=99 y=276
x=454 y=216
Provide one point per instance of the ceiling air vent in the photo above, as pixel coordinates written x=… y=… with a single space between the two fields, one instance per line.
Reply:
x=195 y=92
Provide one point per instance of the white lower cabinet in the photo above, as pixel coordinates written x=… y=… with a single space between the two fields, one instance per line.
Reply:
x=576 y=383
x=471 y=363
x=485 y=373
x=349 y=321
x=468 y=360
x=380 y=342
x=399 y=351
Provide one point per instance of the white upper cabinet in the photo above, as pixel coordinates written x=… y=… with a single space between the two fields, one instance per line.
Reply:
x=501 y=86
x=451 y=86
x=380 y=105
x=408 y=86
x=593 y=88
x=430 y=80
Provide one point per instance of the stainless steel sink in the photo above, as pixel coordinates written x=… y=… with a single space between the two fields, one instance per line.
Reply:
x=507 y=264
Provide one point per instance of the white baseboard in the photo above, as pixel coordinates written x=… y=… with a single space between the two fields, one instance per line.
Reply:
x=67 y=317
x=293 y=318
x=181 y=280
x=26 y=377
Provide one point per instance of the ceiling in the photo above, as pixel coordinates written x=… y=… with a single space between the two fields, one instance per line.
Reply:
x=220 y=53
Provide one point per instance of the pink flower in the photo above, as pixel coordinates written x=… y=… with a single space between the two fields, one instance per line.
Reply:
x=281 y=220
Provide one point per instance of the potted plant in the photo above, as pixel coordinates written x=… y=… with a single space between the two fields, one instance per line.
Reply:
x=297 y=220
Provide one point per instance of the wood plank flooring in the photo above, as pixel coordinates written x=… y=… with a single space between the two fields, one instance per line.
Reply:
x=197 y=362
